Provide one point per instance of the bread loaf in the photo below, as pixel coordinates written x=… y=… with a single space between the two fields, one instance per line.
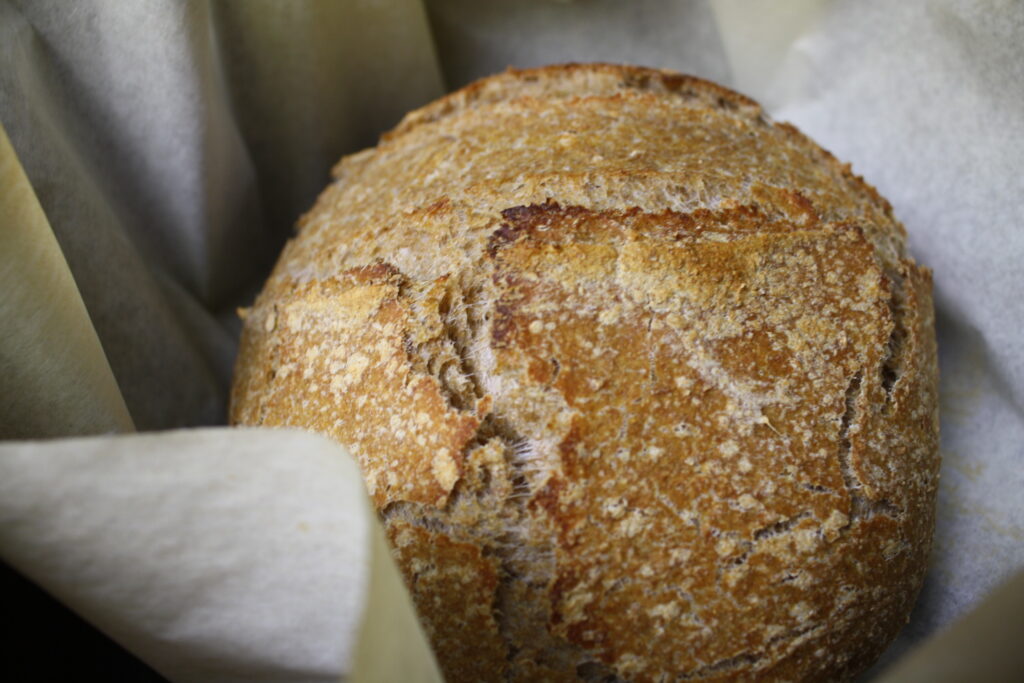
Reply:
x=643 y=385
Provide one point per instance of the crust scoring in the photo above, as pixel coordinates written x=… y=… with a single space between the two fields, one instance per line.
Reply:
x=666 y=414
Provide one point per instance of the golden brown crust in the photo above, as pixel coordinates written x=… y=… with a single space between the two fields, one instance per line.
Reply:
x=762 y=493
x=622 y=152
x=562 y=80
x=453 y=586
x=643 y=385
x=321 y=343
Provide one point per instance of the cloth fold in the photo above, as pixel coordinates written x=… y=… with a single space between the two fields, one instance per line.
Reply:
x=214 y=554
x=160 y=152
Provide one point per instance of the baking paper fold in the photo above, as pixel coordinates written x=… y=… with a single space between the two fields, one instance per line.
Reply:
x=167 y=148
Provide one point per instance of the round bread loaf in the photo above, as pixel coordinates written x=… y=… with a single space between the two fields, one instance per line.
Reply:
x=643 y=385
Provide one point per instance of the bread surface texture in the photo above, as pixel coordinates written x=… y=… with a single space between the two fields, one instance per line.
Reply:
x=642 y=384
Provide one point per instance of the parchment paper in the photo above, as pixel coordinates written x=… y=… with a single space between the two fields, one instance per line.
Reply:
x=171 y=145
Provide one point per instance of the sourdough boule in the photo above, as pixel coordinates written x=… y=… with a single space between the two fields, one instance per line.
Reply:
x=643 y=385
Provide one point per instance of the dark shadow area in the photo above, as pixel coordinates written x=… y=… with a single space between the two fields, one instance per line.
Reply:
x=45 y=641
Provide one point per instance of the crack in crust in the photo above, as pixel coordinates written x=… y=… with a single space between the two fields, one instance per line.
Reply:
x=895 y=358
x=523 y=558
x=861 y=507
x=779 y=528
x=746 y=661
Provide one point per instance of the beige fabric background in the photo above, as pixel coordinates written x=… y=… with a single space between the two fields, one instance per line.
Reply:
x=164 y=148
x=56 y=377
x=168 y=147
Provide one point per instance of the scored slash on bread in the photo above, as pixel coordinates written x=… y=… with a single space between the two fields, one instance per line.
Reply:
x=642 y=384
